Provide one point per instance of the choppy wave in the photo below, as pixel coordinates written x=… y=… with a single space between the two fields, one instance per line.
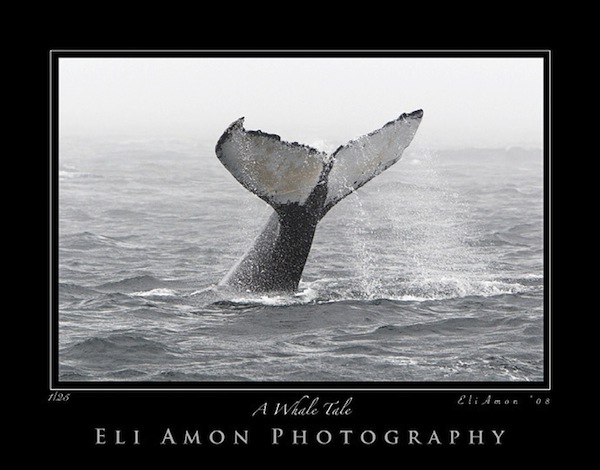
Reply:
x=90 y=241
x=136 y=284
x=117 y=347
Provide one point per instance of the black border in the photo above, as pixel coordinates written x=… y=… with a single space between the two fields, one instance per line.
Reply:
x=54 y=384
x=67 y=414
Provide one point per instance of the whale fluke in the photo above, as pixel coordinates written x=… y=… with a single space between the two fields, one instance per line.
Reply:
x=301 y=184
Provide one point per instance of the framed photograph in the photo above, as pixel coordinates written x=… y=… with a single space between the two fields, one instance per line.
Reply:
x=300 y=250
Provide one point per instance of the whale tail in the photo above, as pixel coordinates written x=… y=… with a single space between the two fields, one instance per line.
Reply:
x=283 y=173
x=302 y=184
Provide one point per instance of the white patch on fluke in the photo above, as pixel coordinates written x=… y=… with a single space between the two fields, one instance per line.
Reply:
x=278 y=171
x=367 y=156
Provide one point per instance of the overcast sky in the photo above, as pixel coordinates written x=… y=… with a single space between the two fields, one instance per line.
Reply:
x=467 y=101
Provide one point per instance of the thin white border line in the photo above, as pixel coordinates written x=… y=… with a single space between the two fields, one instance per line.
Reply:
x=547 y=227
x=548 y=356
x=314 y=51
x=51 y=223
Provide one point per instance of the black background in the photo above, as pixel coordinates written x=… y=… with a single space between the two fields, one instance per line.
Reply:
x=64 y=430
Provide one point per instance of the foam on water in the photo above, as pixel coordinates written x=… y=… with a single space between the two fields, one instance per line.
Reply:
x=336 y=290
x=156 y=293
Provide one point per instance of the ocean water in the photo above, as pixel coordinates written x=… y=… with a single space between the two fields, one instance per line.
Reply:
x=432 y=272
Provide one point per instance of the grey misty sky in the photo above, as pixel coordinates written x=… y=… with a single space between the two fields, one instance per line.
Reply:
x=472 y=102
